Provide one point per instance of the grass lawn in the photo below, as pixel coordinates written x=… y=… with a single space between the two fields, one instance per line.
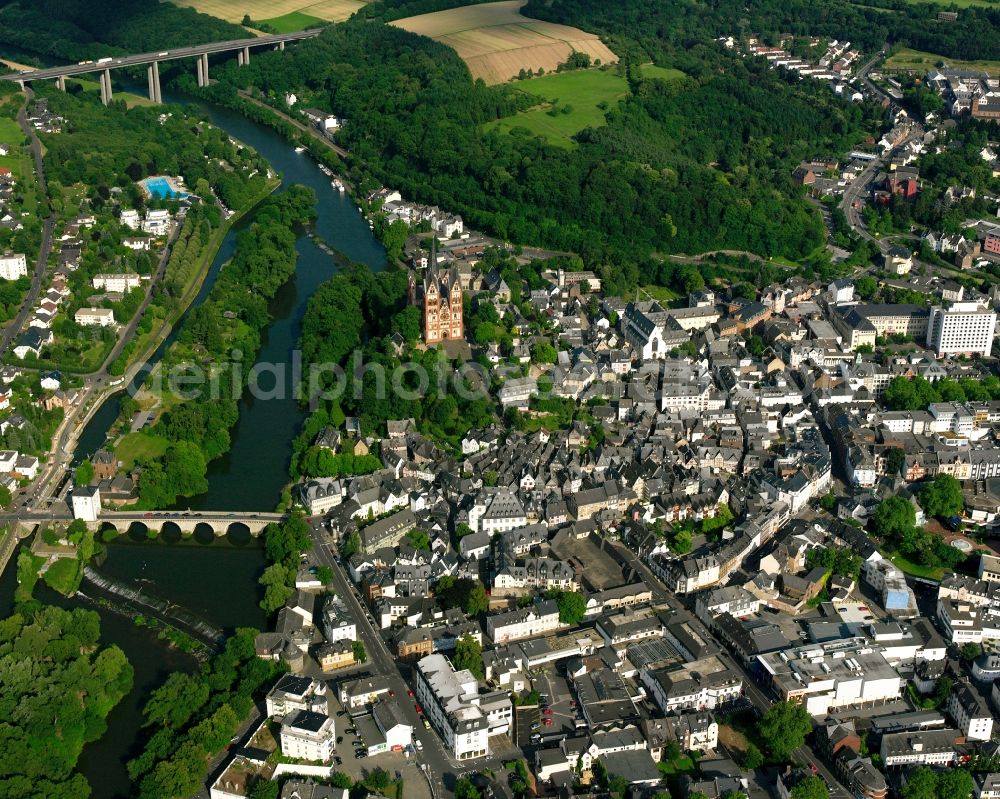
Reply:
x=661 y=293
x=291 y=22
x=569 y=102
x=916 y=570
x=653 y=71
x=136 y=446
x=919 y=61
x=10 y=133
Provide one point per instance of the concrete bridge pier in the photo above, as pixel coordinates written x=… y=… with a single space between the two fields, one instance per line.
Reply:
x=106 y=86
x=153 y=78
x=243 y=57
x=61 y=83
x=281 y=45
x=203 y=69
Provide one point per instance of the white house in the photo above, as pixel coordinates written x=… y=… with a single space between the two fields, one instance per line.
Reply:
x=86 y=503
x=308 y=736
x=117 y=283
x=90 y=317
x=13 y=266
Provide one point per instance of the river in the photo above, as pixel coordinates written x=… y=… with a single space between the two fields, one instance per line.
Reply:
x=217 y=581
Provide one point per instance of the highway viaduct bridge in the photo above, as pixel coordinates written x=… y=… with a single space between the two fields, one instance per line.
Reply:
x=151 y=61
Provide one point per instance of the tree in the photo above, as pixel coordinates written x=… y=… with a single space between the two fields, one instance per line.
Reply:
x=264 y=789
x=5 y=497
x=752 y=758
x=464 y=789
x=378 y=779
x=469 y=655
x=572 y=605
x=970 y=651
x=895 y=459
x=784 y=728
x=418 y=539
x=360 y=656
x=84 y=473
x=894 y=518
x=942 y=497
x=324 y=574
x=921 y=783
x=351 y=544
x=812 y=787
x=865 y=287
x=955 y=783
x=276 y=588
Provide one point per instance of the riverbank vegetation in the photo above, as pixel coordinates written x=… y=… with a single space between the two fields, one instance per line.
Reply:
x=192 y=717
x=284 y=544
x=57 y=686
x=228 y=324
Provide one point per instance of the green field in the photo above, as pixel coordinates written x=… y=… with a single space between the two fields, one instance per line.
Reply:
x=137 y=446
x=572 y=101
x=12 y=136
x=291 y=22
x=917 y=61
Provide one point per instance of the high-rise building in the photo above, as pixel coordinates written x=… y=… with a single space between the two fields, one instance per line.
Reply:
x=964 y=328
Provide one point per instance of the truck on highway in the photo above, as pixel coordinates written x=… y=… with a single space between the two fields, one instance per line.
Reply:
x=104 y=60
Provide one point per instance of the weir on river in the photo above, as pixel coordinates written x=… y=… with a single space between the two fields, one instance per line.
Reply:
x=166 y=611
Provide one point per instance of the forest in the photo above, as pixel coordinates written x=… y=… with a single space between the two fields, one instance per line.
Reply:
x=654 y=29
x=81 y=29
x=231 y=319
x=55 y=674
x=687 y=166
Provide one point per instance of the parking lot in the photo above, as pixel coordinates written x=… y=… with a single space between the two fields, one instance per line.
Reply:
x=559 y=716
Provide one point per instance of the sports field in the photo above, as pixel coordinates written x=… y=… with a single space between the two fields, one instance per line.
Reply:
x=921 y=62
x=497 y=42
x=279 y=13
x=572 y=101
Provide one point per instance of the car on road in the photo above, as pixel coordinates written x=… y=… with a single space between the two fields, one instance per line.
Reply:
x=357 y=744
x=419 y=744
x=391 y=692
x=419 y=709
x=359 y=754
x=148 y=515
x=409 y=693
x=535 y=725
x=427 y=724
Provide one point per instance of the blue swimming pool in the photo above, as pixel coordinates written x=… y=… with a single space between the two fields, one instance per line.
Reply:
x=160 y=187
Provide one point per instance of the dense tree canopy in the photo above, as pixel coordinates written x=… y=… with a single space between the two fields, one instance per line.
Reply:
x=942 y=497
x=694 y=165
x=57 y=685
x=783 y=729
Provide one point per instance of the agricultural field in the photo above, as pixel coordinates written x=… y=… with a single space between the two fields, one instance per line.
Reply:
x=284 y=15
x=497 y=42
x=907 y=60
x=572 y=101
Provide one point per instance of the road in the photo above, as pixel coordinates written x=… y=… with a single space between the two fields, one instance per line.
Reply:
x=141 y=59
x=433 y=756
x=311 y=131
x=48 y=226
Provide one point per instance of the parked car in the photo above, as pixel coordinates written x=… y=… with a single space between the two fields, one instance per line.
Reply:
x=427 y=724
x=547 y=711
x=547 y=721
